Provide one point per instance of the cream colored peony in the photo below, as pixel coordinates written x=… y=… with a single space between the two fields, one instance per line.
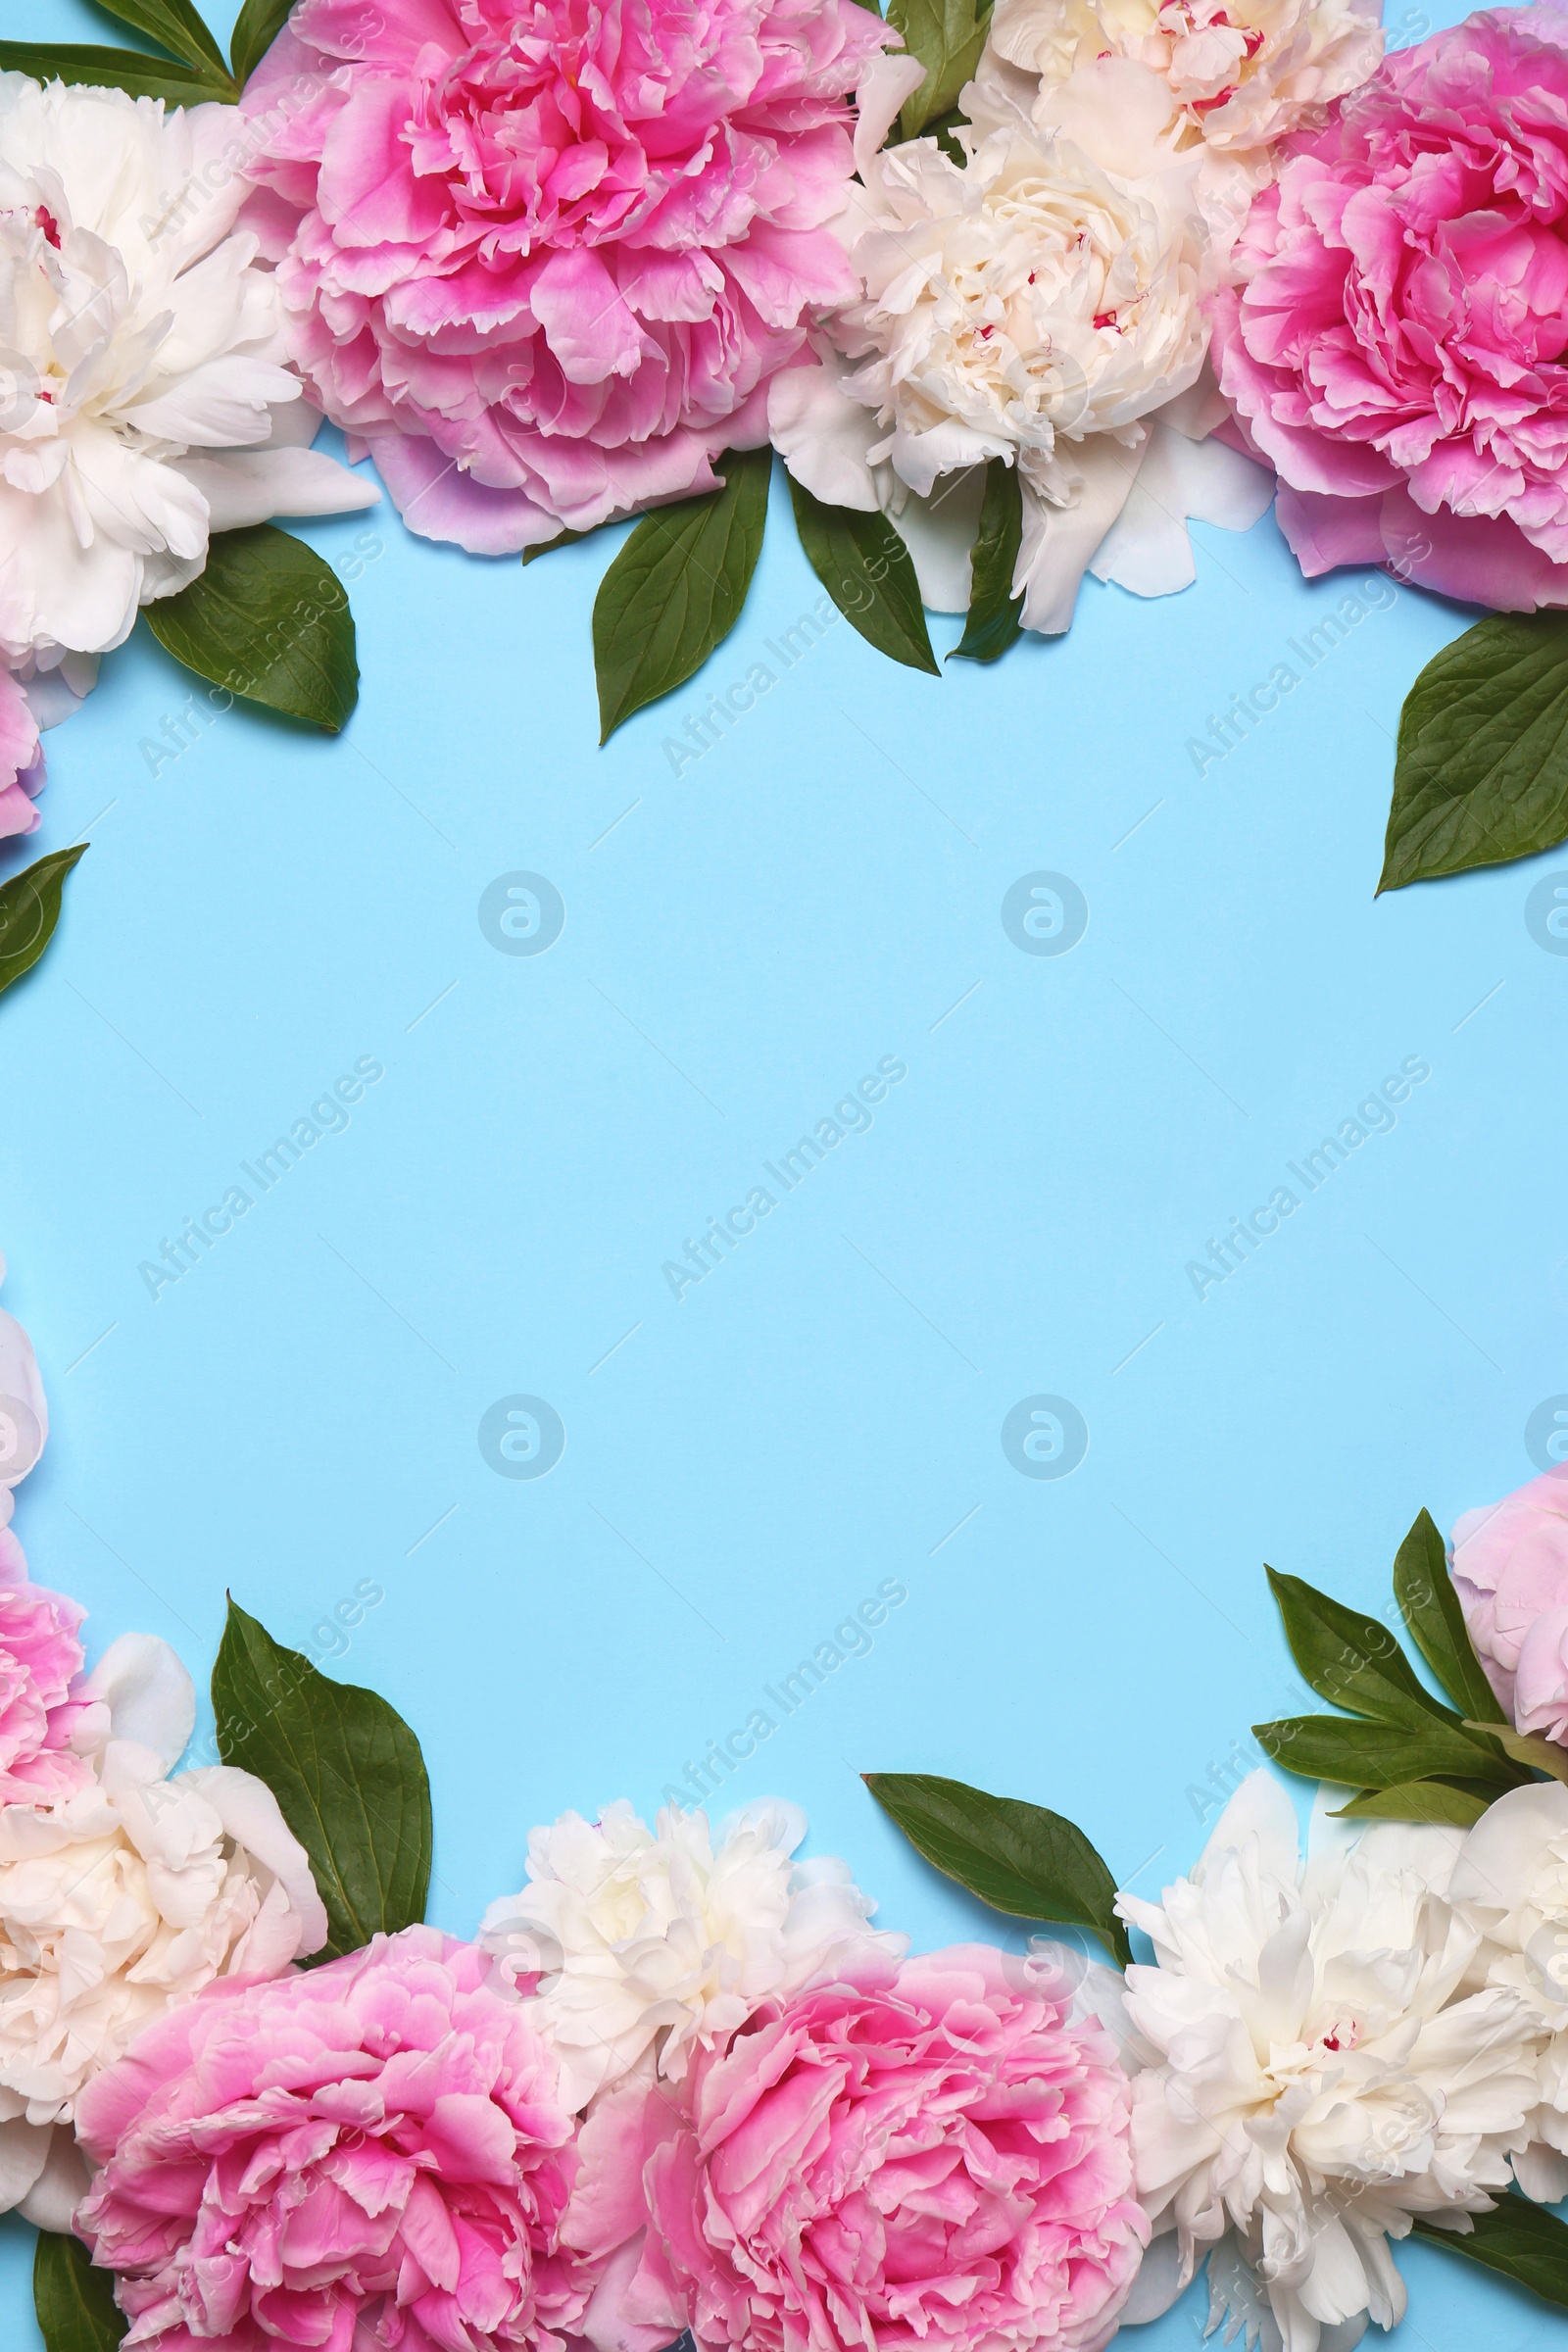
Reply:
x=122 y=1899
x=1512 y=1879
x=144 y=401
x=643 y=1945
x=1234 y=74
x=1033 y=304
x=1321 y=2071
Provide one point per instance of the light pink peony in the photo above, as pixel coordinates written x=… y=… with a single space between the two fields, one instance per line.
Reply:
x=20 y=758
x=39 y=1657
x=1510 y=1571
x=371 y=2155
x=1396 y=346
x=542 y=257
x=931 y=2155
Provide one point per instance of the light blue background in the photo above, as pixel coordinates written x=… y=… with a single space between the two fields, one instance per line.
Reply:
x=742 y=943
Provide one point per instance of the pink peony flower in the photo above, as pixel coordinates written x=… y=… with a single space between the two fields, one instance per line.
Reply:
x=1397 y=345
x=930 y=2155
x=1510 y=1571
x=20 y=758
x=39 y=1657
x=543 y=257
x=372 y=2155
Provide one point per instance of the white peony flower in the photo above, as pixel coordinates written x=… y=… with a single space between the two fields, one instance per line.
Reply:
x=124 y=1899
x=1032 y=303
x=1232 y=74
x=1512 y=1879
x=143 y=396
x=646 y=1943
x=1320 y=2073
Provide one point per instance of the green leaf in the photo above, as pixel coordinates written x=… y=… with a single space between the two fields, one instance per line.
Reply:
x=269 y=621
x=1418 y=1801
x=1522 y=2240
x=993 y=623
x=129 y=69
x=1424 y=1591
x=1019 y=1858
x=1352 y=1661
x=547 y=547
x=180 y=31
x=29 y=909
x=865 y=569
x=346 y=1771
x=1379 y=1755
x=676 y=588
x=946 y=36
x=74 y=2303
x=1480 y=773
x=1529 y=1748
x=258 y=26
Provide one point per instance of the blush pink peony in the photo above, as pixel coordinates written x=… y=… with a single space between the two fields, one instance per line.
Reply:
x=543 y=255
x=371 y=2155
x=40 y=1656
x=1397 y=345
x=930 y=2155
x=1510 y=1571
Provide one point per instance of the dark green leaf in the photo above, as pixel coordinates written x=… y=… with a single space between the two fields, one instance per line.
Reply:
x=258 y=26
x=865 y=569
x=547 y=547
x=269 y=620
x=1522 y=2240
x=1019 y=1858
x=74 y=2303
x=1352 y=1661
x=1529 y=1748
x=1424 y=1591
x=29 y=909
x=175 y=24
x=1418 y=1801
x=129 y=69
x=946 y=36
x=992 y=620
x=1481 y=774
x=676 y=588
x=346 y=1771
x=1379 y=1755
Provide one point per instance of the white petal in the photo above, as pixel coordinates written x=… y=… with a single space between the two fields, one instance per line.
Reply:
x=1260 y=1810
x=939 y=534
x=24 y=2153
x=250 y=1815
x=1158 y=2284
x=150 y=1697
x=1058 y=542
x=884 y=86
x=62 y=2185
x=253 y=485
x=24 y=1414
x=823 y=435
x=1148 y=548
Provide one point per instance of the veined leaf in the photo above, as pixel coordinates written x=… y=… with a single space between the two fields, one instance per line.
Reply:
x=1016 y=1857
x=866 y=570
x=1424 y=1591
x=1529 y=1748
x=1418 y=1801
x=347 y=1774
x=269 y=621
x=74 y=2303
x=1352 y=1660
x=132 y=70
x=1381 y=1755
x=259 y=24
x=547 y=547
x=946 y=36
x=29 y=909
x=180 y=31
x=676 y=588
x=993 y=623
x=1522 y=2240
x=1481 y=772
